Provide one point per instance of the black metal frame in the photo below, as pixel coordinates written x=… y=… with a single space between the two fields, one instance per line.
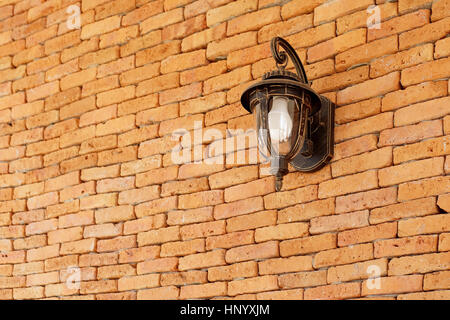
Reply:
x=314 y=146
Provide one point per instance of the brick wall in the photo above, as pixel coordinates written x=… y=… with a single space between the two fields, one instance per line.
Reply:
x=87 y=179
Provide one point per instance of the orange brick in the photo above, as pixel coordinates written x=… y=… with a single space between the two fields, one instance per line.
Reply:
x=400 y=24
x=100 y=27
x=254 y=251
x=423 y=225
x=222 y=48
x=334 y=291
x=336 y=45
x=344 y=255
x=114 y=272
x=97 y=144
x=138 y=74
x=157 y=53
x=183 y=29
x=366 y=200
x=401 y=60
x=115 y=67
x=427 y=71
x=138 y=282
x=98 y=286
x=444 y=242
x=79 y=163
x=411 y=133
x=183 y=61
x=159 y=236
x=223 y=13
x=161 y=20
x=123 y=154
x=303 y=279
x=157 y=84
x=342 y=80
x=157 y=265
x=136 y=105
x=142 y=13
x=182 y=248
x=356 y=271
x=200 y=199
x=144 y=224
x=413 y=114
x=442 y=48
x=390 y=285
x=331 y=11
x=200 y=39
x=253 y=21
x=366 y=52
x=339 y=222
x=156 y=206
x=98 y=259
x=98 y=201
x=438 y=280
x=288 y=198
x=424 y=149
x=112 y=8
x=443 y=202
x=404 y=246
x=59 y=43
x=79 y=50
x=354 y=183
x=230 y=240
x=411 y=171
x=77 y=247
x=139 y=254
x=423 y=188
x=372 y=160
x=196 y=8
x=167 y=293
x=251 y=285
x=362 y=127
x=139 y=195
x=149 y=40
x=238 y=270
x=419 y=264
x=281 y=232
x=251 y=221
x=428 y=33
x=370 y=88
x=439 y=10
x=78 y=78
x=183 y=278
x=407 y=209
x=202 y=260
x=360 y=19
x=181 y=93
x=285 y=28
x=115 y=214
x=12 y=48
x=120 y=36
x=118 y=243
x=43 y=253
x=306 y=211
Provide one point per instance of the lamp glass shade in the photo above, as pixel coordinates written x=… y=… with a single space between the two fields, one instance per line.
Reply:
x=278 y=120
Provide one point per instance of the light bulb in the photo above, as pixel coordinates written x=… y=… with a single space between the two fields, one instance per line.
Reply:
x=280 y=122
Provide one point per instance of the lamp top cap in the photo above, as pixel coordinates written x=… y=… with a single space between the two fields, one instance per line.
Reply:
x=281 y=73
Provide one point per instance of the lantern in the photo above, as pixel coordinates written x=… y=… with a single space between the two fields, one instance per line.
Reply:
x=294 y=124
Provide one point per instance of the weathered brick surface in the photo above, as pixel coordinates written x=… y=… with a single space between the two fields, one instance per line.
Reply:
x=88 y=176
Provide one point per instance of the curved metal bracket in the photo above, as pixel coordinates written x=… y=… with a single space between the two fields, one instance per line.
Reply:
x=281 y=57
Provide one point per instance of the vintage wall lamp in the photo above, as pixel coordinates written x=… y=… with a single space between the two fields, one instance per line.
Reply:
x=294 y=124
